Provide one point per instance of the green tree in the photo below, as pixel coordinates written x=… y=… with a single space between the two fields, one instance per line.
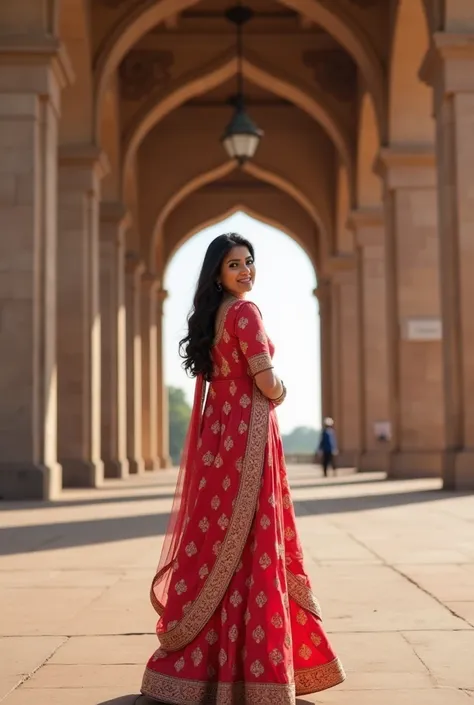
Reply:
x=179 y=415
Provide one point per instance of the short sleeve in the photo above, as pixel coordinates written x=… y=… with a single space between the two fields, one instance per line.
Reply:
x=253 y=340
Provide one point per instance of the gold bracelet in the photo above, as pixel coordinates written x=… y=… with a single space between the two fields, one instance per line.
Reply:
x=279 y=400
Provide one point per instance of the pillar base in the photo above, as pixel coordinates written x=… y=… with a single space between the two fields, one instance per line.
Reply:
x=116 y=469
x=374 y=461
x=29 y=481
x=82 y=473
x=151 y=464
x=458 y=470
x=166 y=462
x=136 y=466
x=412 y=464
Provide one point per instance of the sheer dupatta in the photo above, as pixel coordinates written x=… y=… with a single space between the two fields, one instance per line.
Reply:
x=185 y=492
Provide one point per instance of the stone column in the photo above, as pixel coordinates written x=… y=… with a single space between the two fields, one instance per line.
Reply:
x=369 y=234
x=134 y=269
x=31 y=78
x=323 y=294
x=346 y=358
x=80 y=171
x=149 y=288
x=113 y=223
x=163 y=439
x=413 y=312
x=452 y=75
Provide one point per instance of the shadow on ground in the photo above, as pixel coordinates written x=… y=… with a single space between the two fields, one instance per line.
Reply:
x=95 y=498
x=142 y=700
x=60 y=535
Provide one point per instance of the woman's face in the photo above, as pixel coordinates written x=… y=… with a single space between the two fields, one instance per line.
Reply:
x=238 y=271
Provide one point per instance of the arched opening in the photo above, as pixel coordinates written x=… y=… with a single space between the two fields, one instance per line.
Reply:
x=283 y=291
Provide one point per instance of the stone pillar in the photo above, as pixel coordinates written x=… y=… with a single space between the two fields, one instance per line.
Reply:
x=80 y=170
x=346 y=358
x=113 y=223
x=413 y=312
x=163 y=439
x=323 y=294
x=149 y=309
x=133 y=273
x=453 y=79
x=31 y=79
x=369 y=233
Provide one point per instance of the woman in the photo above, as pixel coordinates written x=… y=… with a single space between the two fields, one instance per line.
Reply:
x=238 y=622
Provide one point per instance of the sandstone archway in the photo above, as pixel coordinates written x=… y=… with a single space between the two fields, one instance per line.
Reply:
x=310 y=243
x=138 y=21
x=208 y=77
x=276 y=208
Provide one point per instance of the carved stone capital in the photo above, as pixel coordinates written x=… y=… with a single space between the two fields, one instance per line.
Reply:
x=150 y=283
x=39 y=50
x=88 y=156
x=340 y=268
x=367 y=224
x=407 y=167
x=134 y=265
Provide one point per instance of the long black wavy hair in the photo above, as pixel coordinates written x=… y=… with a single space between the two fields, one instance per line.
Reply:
x=195 y=347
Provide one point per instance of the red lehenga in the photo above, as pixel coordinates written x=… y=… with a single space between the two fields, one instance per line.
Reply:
x=238 y=622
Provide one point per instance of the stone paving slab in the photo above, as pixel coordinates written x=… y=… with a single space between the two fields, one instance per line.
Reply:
x=113 y=649
x=22 y=656
x=392 y=564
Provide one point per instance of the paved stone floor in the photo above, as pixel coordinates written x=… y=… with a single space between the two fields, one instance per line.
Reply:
x=392 y=564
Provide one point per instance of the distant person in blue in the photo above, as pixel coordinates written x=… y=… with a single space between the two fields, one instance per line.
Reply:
x=328 y=446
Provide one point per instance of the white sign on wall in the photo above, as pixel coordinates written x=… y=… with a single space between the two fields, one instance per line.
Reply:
x=423 y=329
x=383 y=430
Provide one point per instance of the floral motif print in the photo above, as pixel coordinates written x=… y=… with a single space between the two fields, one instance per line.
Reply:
x=238 y=626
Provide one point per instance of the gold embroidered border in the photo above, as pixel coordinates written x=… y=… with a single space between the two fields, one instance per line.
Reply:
x=233 y=544
x=221 y=318
x=312 y=680
x=302 y=594
x=260 y=363
x=180 y=691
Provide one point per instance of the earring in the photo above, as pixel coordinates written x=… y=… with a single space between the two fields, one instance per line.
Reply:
x=218 y=286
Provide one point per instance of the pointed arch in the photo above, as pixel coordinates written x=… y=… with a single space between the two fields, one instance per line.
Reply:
x=257 y=213
x=352 y=37
x=139 y=20
x=208 y=177
x=214 y=74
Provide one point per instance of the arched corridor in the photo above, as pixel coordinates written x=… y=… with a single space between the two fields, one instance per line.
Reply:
x=111 y=114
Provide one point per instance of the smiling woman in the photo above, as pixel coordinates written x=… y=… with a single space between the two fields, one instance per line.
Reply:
x=238 y=622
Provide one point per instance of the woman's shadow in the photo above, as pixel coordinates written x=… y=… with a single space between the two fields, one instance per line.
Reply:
x=134 y=699
x=143 y=700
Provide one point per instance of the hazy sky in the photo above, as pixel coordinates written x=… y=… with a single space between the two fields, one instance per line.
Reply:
x=283 y=292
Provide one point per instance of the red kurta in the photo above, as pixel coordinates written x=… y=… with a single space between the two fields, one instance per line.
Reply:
x=240 y=625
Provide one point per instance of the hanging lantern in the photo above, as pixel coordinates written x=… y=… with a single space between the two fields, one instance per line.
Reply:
x=241 y=136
